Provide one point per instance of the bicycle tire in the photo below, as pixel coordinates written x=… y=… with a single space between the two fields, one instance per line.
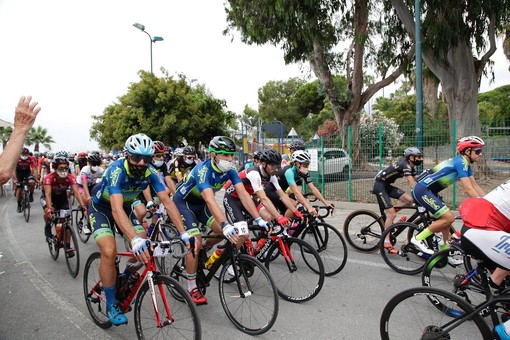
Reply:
x=410 y=315
x=184 y=322
x=26 y=206
x=53 y=246
x=73 y=263
x=78 y=218
x=95 y=300
x=409 y=260
x=438 y=273
x=262 y=299
x=363 y=230
x=329 y=243
x=299 y=284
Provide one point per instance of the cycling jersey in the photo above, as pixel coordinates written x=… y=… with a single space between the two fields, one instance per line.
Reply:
x=399 y=169
x=179 y=165
x=446 y=173
x=91 y=177
x=59 y=187
x=24 y=168
x=289 y=175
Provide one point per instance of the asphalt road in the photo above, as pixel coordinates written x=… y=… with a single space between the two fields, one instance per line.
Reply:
x=39 y=299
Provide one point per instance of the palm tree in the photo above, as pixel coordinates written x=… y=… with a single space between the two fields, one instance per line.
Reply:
x=39 y=136
x=5 y=134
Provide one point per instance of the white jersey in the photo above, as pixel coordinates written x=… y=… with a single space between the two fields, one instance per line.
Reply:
x=500 y=197
x=91 y=177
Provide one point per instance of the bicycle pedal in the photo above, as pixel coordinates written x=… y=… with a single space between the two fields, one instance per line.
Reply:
x=93 y=298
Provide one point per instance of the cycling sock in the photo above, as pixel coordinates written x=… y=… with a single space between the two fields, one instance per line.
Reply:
x=443 y=246
x=192 y=281
x=68 y=245
x=424 y=234
x=109 y=293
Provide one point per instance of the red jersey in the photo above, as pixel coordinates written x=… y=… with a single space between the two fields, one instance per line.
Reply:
x=59 y=185
x=479 y=213
x=25 y=166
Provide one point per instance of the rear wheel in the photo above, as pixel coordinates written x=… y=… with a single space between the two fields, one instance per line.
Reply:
x=72 y=252
x=176 y=311
x=93 y=290
x=363 y=229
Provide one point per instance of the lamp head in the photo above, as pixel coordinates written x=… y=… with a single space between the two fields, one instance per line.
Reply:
x=139 y=26
x=156 y=38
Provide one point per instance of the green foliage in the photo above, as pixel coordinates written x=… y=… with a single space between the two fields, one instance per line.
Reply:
x=494 y=106
x=5 y=134
x=369 y=132
x=38 y=136
x=165 y=109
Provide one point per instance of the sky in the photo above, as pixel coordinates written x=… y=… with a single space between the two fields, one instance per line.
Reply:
x=77 y=57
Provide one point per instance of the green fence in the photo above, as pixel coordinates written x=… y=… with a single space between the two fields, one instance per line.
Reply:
x=347 y=164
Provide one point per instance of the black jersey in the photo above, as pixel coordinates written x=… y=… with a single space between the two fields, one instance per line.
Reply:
x=399 y=169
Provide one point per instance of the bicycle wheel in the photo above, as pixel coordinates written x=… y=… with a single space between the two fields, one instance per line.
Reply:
x=78 y=218
x=167 y=263
x=93 y=291
x=53 y=245
x=299 y=276
x=72 y=252
x=251 y=301
x=439 y=273
x=409 y=260
x=178 y=317
x=410 y=315
x=330 y=245
x=26 y=206
x=363 y=229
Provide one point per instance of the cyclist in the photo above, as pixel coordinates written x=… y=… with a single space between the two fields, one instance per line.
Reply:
x=25 y=167
x=290 y=177
x=70 y=159
x=431 y=182
x=253 y=161
x=81 y=161
x=385 y=191
x=46 y=167
x=254 y=179
x=295 y=146
x=54 y=195
x=182 y=165
x=111 y=204
x=195 y=200
x=88 y=177
x=486 y=236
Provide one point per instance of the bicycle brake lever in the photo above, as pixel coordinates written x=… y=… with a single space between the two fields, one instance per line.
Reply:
x=192 y=246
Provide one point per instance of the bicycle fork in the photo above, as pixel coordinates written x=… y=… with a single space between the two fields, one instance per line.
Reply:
x=169 y=320
x=289 y=260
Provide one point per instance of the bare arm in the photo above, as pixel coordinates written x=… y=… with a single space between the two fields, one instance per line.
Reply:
x=24 y=118
x=299 y=196
x=477 y=187
x=468 y=187
x=172 y=211
x=286 y=200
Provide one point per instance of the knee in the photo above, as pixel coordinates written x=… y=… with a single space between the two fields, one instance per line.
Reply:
x=108 y=254
x=447 y=219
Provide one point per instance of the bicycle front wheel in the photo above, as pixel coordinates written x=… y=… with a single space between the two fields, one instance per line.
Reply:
x=298 y=271
x=26 y=207
x=330 y=245
x=251 y=300
x=53 y=245
x=410 y=315
x=408 y=260
x=176 y=311
x=78 y=219
x=71 y=251
x=363 y=229
x=93 y=290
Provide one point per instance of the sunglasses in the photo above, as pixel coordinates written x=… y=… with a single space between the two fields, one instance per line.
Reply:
x=137 y=158
x=275 y=166
x=478 y=151
x=63 y=169
x=157 y=155
x=190 y=157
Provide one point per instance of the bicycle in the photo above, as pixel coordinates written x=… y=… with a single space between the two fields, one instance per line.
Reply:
x=79 y=217
x=363 y=228
x=63 y=236
x=248 y=297
x=25 y=200
x=162 y=308
x=295 y=266
x=432 y=313
x=323 y=237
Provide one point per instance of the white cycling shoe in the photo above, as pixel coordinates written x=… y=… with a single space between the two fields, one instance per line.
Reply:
x=422 y=246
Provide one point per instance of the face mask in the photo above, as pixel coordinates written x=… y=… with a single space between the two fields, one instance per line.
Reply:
x=94 y=168
x=157 y=164
x=303 y=170
x=136 y=170
x=188 y=161
x=62 y=174
x=24 y=158
x=223 y=165
x=418 y=161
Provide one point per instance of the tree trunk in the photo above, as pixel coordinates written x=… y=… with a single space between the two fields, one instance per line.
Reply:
x=430 y=87
x=506 y=44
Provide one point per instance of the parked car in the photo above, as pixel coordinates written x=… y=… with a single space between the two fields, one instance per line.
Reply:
x=334 y=161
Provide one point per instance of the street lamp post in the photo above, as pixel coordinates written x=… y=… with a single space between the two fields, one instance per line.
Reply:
x=152 y=39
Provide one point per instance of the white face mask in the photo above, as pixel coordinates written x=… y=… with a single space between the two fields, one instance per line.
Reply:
x=62 y=174
x=24 y=158
x=223 y=165
x=94 y=168
x=188 y=161
x=157 y=164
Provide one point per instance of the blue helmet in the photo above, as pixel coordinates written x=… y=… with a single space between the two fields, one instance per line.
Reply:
x=140 y=144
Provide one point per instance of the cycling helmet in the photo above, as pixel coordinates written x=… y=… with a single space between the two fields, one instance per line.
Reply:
x=71 y=155
x=178 y=152
x=256 y=155
x=24 y=151
x=140 y=144
x=94 y=158
x=296 y=145
x=270 y=157
x=59 y=160
x=61 y=154
x=82 y=155
x=222 y=144
x=301 y=156
x=50 y=155
x=412 y=151
x=472 y=142
x=159 y=147
x=189 y=151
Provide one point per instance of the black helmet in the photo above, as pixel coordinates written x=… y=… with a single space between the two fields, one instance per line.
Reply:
x=93 y=158
x=222 y=144
x=296 y=145
x=24 y=151
x=412 y=151
x=188 y=151
x=256 y=155
x=270 y=157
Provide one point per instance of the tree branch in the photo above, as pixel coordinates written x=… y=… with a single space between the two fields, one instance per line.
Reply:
x=492 y=40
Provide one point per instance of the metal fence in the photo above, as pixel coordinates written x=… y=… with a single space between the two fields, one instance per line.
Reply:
x=377 y=145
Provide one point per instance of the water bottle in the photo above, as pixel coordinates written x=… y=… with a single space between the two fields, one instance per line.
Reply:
x=58 y=228
x=216 y=255
x=403 y=219
x=249 y=247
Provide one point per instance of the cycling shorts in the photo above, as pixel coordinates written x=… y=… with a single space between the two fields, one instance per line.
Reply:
x=429 y=200
x=491 y=246
x=385 y=192
x=19 y=183
x=102 y=221
x=57 y=202
x=193 y=213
